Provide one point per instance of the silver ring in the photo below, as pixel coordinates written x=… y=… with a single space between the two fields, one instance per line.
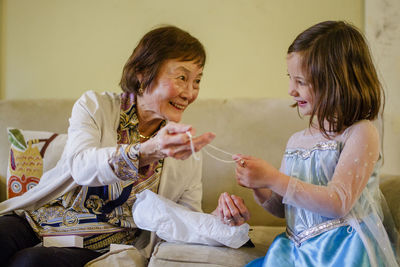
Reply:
x=229 y=220
x=242 y=163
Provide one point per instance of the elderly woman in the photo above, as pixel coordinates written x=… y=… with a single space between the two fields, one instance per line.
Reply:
x=119 y=145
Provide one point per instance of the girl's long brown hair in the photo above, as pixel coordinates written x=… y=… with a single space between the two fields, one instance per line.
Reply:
x=338 y=65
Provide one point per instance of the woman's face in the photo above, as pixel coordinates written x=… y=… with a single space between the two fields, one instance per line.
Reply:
x=299 y=88
x=176 y=86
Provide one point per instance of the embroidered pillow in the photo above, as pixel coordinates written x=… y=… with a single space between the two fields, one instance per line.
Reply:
x=31 y=154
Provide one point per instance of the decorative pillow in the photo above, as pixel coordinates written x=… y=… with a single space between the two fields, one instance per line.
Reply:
x=31 y=154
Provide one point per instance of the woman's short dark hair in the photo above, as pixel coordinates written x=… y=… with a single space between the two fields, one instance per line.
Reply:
x=155 y=47
x=337 y=64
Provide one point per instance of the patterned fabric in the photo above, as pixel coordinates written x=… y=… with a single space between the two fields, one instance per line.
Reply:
x=31 y=154
x=104 y=214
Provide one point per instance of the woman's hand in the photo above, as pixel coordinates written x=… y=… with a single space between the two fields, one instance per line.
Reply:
x=231 y=210
x=253 y=172
x=172 y=141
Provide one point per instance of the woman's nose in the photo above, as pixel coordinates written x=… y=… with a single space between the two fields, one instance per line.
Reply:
x=187 y=92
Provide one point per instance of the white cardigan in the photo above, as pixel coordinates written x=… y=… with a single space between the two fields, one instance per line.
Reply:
x=92 y=138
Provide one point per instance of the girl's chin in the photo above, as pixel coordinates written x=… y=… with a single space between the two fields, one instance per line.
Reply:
x=304 y=112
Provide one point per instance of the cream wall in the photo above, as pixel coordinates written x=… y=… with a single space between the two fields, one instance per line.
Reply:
x=382 y=27
x=2 y=35
x=58 y=48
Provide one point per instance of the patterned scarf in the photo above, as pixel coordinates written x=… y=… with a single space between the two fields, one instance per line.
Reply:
x=103 y=214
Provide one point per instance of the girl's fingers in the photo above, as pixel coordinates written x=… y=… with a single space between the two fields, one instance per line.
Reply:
x=238 y=157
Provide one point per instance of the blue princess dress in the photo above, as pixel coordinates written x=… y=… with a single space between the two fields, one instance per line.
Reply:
x=312 y=239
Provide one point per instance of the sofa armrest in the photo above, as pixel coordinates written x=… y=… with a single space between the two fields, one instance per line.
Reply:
x=390 y=187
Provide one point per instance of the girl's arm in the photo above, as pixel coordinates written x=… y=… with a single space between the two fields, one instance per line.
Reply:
x=270 y=201
x=354 y=168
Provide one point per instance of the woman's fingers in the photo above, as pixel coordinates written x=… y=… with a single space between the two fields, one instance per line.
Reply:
x=234 y=211
x=232 y=208
x=173 y=128
x=239 y=203
x=178 y=145
x=200 y=141
x=223 y=210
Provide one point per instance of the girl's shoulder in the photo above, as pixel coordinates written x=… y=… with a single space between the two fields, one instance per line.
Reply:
x=309 y=137
x=363 y=128
x=296 y=138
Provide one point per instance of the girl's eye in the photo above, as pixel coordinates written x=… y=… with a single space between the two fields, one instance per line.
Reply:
x=302 y=83
x=197 y=81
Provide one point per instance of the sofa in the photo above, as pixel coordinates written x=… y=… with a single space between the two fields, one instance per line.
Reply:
x=259 y=127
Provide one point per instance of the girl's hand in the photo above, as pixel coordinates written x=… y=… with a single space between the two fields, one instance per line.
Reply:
x=172 y=141
x=253 y=172
x=231 y=210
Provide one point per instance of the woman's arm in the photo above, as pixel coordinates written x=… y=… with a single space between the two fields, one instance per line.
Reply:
x=93 y=155
x=92 y=139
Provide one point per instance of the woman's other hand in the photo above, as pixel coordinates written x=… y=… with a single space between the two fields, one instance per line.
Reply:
x=231 y=210
x=172 y=141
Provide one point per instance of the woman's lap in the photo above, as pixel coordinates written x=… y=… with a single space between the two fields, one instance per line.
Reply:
x=15 y=234
x=53 y=256
x=17 y=247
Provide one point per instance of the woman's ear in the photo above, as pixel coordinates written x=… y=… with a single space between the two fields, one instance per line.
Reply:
x=139 y=77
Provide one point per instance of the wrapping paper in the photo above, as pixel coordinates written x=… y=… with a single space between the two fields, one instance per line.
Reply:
x=176 y=223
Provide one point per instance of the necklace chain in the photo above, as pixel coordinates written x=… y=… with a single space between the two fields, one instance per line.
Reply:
x=146 y=137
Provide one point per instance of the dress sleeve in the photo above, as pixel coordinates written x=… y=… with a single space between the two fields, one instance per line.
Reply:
x=125 y=161
x=274 y=203
x=353 y=170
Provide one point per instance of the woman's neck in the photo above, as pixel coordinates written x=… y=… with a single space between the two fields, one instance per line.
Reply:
x=148 y=122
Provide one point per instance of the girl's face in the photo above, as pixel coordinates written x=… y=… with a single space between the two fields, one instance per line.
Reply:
x=299 y=88
x=174 y=89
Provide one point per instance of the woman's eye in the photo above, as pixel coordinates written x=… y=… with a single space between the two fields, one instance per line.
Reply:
x=182 y=77
x=197 y=81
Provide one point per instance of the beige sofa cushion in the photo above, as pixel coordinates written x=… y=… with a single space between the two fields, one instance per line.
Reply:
x=49 y=115
x=259 y=127
x=174 y=254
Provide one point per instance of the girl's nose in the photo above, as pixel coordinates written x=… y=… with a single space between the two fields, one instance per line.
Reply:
x=292 y=89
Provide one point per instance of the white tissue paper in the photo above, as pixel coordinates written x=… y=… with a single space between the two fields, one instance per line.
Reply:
x=175 y=223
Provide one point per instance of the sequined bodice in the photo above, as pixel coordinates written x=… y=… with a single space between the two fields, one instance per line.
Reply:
x=315 y=165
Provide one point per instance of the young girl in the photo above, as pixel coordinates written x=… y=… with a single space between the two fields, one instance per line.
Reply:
x=328 y=184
